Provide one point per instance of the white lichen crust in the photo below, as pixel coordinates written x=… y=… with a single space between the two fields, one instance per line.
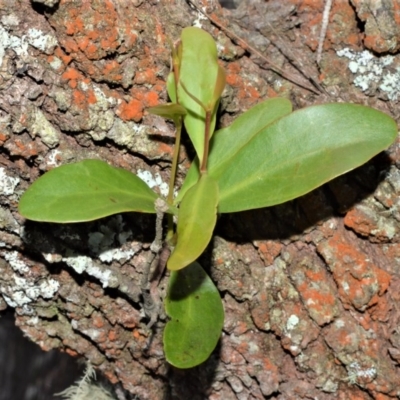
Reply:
x=18 y=290
x=374 y=72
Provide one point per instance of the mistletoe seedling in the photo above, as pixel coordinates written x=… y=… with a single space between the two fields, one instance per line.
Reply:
x=269 y=155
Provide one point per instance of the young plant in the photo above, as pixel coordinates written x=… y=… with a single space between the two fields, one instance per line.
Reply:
x=269 y=155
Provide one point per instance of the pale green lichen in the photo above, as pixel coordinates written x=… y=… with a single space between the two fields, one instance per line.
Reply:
x=40 y=126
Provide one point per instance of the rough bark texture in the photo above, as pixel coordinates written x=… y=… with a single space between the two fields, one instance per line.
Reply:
x=310 y=287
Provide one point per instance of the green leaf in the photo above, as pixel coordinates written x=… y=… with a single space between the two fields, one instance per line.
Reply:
x=197 y=316
x=197 y=216
x=227 y=142
x=169 y=110
x=300 y=152
x=219 y=84
x=85 y=191
x=171 y=87
x=201 y=76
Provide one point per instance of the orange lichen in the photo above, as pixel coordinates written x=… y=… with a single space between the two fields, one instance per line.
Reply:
x=164 y=148
x=110 y=41
x=147 y=76
x=58 y=52
x=79 y=98
x=375 y=42
x=71 y=352
x=344 y=338
x=26 y=150
x=319 y=300
x=381 y=396
x=136 y=334
x=112 y=335
x=131 y=111
x=91 y=97
x=360 y=282
x=74 y=25
x=271 y=92
x=151 y=99
x=233 y=79
x=316 y=5
x=268 y=250
x=83 y=43
x=71 y=73
x=70 y=45
x=112 y=69
x=98 y=321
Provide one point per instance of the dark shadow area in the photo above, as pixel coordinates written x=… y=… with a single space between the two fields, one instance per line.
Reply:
x=45 y=237
x=26 y=371
x=230 y=4
x=194 y=383
x=43 y=9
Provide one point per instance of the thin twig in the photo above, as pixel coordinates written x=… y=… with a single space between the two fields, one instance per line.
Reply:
x=293 y=59
x=324 y=27
x=242 y=43
x=150 y=304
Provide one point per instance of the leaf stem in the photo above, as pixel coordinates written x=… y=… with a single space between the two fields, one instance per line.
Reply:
x=178 y=121
x=175 y=159
x=208 y=110
x=203 y=167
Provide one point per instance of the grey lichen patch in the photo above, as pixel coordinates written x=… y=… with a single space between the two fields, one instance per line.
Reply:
x=155 y=181
x=12 y=42
x=63 y=98
x=101 y=114
x=7 y=221
x=93 y=114
x=18 y=290
x=374 y=221
x=7 y=183
x=123 y=133
x=41 y=41
x=34 y=37
x=105 y=121
x=10 y=20
x=356 y=372
x=38 y=125
x=372 y=72
x=134 y=137
x=83 y=264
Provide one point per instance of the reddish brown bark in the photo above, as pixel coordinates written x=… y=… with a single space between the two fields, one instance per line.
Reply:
x=310 y=287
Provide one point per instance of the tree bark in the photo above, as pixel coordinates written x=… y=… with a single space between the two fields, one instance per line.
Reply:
x=310 y=287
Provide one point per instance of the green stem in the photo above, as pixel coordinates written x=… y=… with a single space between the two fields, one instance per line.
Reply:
x=174 y=169
x=175 y=158
x=203 y=167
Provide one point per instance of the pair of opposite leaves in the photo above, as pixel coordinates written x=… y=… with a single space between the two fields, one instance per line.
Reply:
x=268 y=155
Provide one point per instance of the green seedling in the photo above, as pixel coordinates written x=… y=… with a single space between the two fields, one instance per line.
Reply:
x=269 y=155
